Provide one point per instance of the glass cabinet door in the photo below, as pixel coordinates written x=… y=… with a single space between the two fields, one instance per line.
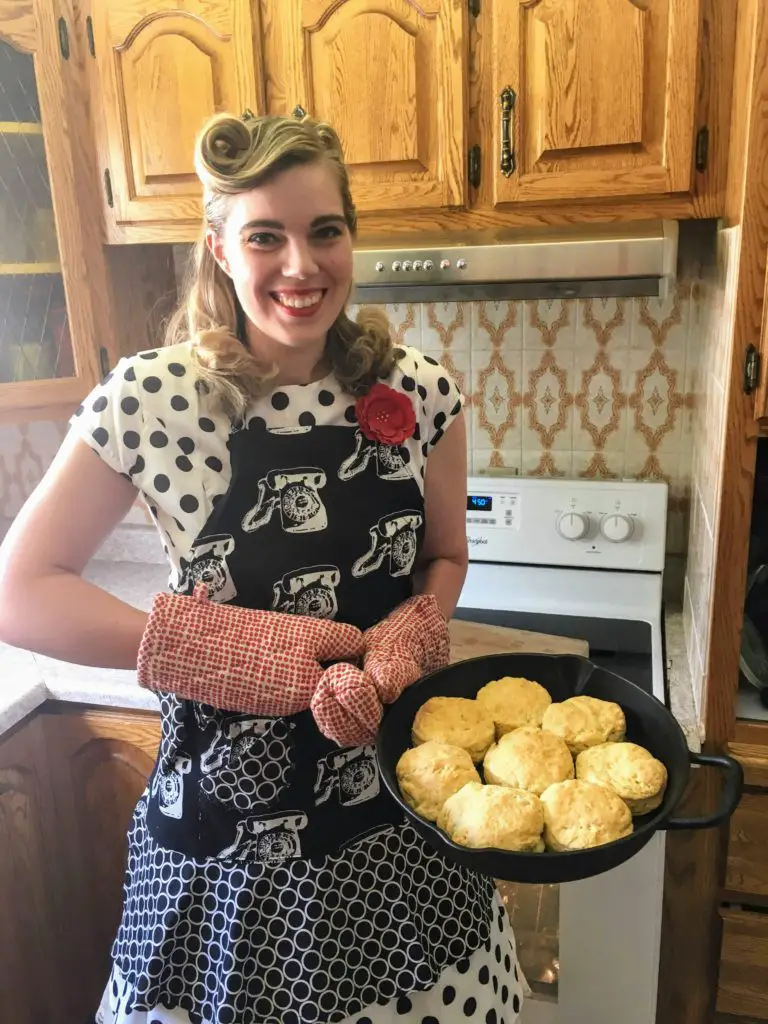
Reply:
x=35 y=340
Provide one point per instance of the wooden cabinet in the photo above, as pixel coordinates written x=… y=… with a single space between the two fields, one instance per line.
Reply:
x=390 y=76
x=69 y=781
x=595 y=97
x=54 y=289
x=759 y=362
x=743 y=984
x=164 y=67
x=747 y=867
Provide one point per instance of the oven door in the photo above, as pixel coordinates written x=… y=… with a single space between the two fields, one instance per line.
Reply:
x=589 y=950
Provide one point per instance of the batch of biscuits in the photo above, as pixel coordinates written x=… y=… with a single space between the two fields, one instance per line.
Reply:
x=557 y=776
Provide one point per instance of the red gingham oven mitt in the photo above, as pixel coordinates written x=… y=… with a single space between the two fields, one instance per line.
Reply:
x=239 y=659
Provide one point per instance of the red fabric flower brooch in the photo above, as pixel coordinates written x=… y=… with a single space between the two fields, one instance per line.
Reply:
x=385 y=415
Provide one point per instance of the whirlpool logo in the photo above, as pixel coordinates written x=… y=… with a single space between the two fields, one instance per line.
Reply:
x=477 y=542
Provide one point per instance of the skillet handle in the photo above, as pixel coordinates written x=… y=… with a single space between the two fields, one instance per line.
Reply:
x=734 y=783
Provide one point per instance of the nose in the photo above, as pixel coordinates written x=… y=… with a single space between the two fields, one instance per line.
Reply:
x=300 y=262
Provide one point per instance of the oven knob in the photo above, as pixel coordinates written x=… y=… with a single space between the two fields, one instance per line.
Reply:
x=617 y=527
x=461 y=264
x=417 y=264
x=573 y=525
x=428 y=264
x=445 y=264
x=379 y=267
x=407 y=265
x=397 y=265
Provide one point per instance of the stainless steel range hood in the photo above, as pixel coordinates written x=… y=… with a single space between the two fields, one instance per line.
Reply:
x=583 y=262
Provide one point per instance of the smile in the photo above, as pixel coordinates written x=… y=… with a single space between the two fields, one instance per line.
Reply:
x=299 y=303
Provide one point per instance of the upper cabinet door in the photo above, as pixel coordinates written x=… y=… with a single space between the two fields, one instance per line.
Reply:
x=165 y=67
x=594 y=97
x=390 y=77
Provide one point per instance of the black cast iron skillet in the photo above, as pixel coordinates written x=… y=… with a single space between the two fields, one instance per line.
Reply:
x=649 y=723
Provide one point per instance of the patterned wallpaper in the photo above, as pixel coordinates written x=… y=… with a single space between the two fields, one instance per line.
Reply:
x=599 y=389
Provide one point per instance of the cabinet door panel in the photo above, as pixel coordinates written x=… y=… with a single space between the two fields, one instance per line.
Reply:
x=164 y=70
x=603 y=96
x=390 y=76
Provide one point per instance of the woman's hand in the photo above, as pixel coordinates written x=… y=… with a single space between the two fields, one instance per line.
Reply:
x=346 y=706
x=410 y=643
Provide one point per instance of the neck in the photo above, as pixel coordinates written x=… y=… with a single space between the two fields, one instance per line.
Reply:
x=294 y=366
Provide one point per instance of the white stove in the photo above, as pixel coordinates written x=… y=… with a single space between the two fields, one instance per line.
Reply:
x=584 y=559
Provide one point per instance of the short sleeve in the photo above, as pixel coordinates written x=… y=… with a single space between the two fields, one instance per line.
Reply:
x=442 y=402
x=111 y=421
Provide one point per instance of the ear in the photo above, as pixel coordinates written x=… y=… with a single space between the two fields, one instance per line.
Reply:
x=216 y=246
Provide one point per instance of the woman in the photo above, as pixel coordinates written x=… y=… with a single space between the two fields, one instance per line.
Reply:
x=308 y=480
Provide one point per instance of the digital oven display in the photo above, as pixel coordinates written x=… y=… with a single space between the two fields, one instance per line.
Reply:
x=479 y=503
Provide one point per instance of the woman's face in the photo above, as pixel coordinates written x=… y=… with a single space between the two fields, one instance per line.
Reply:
x=287 y=248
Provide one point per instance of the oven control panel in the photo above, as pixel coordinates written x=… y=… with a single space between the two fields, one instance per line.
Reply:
x=597 y=524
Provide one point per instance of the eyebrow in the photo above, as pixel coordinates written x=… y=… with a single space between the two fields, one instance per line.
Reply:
x=326 y=218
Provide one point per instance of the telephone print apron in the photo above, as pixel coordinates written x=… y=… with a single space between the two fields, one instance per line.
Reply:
x=271 y=879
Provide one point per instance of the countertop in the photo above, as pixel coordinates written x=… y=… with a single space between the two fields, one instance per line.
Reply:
x=28 y=680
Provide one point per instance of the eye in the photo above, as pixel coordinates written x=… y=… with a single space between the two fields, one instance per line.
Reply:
x=263 y=239
x=329 y=232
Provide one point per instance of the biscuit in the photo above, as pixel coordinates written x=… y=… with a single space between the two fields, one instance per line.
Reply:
x=457 y=721
x=579 y=815
x=528 y=759
x=514 y=702
x=584 y=722
x=429 y=774
x=631 y=771
x=493 y=816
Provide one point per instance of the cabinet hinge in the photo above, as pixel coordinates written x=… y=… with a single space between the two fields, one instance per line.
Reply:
x=108 y=188
x=63 y=39
x=473 y=166
x=751 y=370
x=90 y=36
x=474 y=8
x=702 y=148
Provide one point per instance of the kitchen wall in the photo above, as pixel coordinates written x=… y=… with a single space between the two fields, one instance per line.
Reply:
x=712 y=311
x=599 y=389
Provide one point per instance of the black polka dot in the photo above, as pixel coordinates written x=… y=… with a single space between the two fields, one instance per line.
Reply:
x=484 y=975
x=108 y=378
x=516 y=977
x=179 y=403
x=280 y=401
x=425 y=450
x=148 y=355
x=158 y=439
x=439 y=420
x=409 y=384
x=456 y=409
x=438 y=436
x=100 y=404
x=152 y=384
x=213 y=463
x=364 y=1020
x=184 y=464
x=350 y=414
x=422 y=392
x=207 y=425
x=495 y=984
x=507 y=963
x=326 y=397
x=449 y=994
x=490 y=1017
x=79 y=411
x=137 y=467
x=162 y=483
x=130 y=374
x=153 y=513
x=516 y=1003
x=100 y=436
x=130 y=405
x=504 y=994
x=497 y=953
x=417 y=433
x=470 y=1006
x=216 y=499
x=306 y=419
x=405 y=455
x=131 y=439
x=443 y=385
x=430 y=1020
x=187 y=445
x=189 y=503
x=177 y=369
x=180 y=526
x=403 y=1005
x=431 y=361
x=463 y=966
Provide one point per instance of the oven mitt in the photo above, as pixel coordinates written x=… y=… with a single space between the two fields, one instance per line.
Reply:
x=239 y=659
x=346 y=706
x=410 y=643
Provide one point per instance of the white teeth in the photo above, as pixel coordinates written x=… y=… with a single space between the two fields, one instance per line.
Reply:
x=299 y=301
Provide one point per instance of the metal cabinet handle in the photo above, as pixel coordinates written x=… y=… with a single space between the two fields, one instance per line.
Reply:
x=508 y=98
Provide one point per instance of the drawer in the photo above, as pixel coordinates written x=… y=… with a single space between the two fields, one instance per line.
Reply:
x=747 y=868
x=743 y=984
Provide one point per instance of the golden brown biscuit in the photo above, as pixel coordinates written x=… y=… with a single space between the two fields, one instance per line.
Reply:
x=514 y=702
x=457 y=721
x=429 y=774
x=631 y=771
x=584 y=722
x=494 y=816
x=529 y=759
x=579 y=815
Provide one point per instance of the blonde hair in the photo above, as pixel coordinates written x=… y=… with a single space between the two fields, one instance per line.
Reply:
x=234 y=155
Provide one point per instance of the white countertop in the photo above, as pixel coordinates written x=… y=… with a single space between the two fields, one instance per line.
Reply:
x=28 y=680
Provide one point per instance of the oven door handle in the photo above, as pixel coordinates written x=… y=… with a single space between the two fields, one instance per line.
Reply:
x=729 y=798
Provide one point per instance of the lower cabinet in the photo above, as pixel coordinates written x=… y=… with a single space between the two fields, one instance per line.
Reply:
x=69 y=781
x=743 y=984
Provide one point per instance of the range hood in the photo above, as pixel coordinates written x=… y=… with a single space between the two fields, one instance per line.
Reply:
x=583 y=262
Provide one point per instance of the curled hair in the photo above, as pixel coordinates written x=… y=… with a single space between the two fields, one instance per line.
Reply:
x=234 y=155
